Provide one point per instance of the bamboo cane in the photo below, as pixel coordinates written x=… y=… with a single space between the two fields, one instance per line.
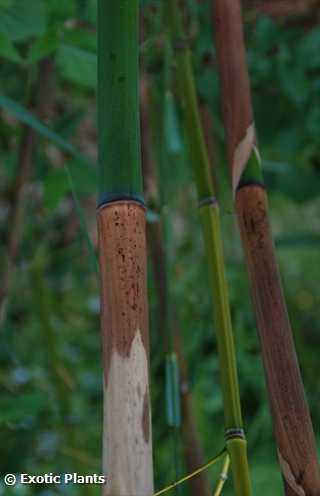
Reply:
x=156 y=245
x=122 y=254
x=291 y=419
x=210 y=218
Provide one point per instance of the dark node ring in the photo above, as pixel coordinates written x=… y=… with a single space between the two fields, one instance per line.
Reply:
x=244 y=183
x=211 y=200
x=111 y=198
x=234 y=434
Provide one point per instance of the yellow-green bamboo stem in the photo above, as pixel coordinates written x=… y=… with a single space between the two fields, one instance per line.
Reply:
x=209 y=213
x=223 y=477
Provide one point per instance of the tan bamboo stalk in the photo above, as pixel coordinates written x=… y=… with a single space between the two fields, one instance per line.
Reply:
x=122 y=255
x=291 y=419
x=190 y=435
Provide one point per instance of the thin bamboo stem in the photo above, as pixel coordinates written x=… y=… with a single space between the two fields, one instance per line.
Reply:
x=190 y=476
x=223 y=477
x=122 y=255
x=291 y=419
x=190 y=435
x=210 y=218
x=55 y=366
x=42 y=99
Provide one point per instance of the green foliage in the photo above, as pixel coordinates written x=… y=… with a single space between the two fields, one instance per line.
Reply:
x=77 y=65
x=31 y=121
x=20 y=20
x=43 y=47
x=14 y=410
x=7 y=49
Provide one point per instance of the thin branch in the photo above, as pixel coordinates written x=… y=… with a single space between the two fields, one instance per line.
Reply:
x=191 y=439
x=44 y=98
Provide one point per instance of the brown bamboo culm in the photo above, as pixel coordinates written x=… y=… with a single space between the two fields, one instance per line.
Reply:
x=290 y=414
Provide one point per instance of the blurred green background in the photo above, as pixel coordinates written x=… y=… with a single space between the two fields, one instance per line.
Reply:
x=50 y=353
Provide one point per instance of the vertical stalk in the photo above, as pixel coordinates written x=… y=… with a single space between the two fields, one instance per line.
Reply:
x=291 y=419
x=55 y=364
x=122 y=255
x=190 y=435
x=42 y=98
x=210 y=218
x=191 y=440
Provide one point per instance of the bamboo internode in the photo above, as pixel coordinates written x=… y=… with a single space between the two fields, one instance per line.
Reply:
x=127 y=440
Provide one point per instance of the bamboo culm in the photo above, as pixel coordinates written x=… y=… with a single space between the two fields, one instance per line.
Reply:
x=190 y=435
x=291 y=418
x=210 y=218
x=122 y=255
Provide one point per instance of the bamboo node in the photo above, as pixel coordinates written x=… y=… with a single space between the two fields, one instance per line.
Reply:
x=210 y=200
x=234 y=433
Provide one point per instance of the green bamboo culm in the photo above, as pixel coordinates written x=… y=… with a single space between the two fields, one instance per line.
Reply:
x=127 y=443
x=210 y=218
x=118 y=110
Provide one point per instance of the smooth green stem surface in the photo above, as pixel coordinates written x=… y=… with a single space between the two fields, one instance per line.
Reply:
x=185 y=79
x=209 y=213
x=210 y=219
x=118 y=101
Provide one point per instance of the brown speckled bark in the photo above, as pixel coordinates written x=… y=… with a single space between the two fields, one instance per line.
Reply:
x=124 y=312
x=291 y=420
x=123 y=275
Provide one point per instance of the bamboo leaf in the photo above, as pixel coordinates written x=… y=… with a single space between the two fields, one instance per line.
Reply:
x=21 y=19
x=78 y=65
x=42 y=47
x=172 y=391
x=23 y=115
x=30 y=120
x=18 y=408
x=4 y=4
x=55 y=187
x=7 y=49
x=309 y=49
x=171 y=127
